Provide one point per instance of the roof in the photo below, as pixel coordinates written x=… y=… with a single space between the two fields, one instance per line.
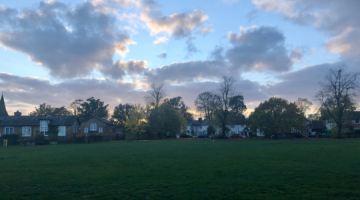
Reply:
x=100 y=119
x=3 y=112
x=317 y=125
x=35 y=120
x=198 y=123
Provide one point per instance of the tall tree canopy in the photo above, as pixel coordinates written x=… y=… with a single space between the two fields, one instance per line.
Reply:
x=166 y=120
x=227 y=103
x=44 y=110
x=276 y=115
x=204 y=104
x=93 y=108
x=155 y=95
x=136 y=124
x=122 y=113
x=337 y=96
x=75 y=105
x=180 y=106
x=303 y=104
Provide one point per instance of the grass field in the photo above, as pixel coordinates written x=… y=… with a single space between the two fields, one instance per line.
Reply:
x=184 y=169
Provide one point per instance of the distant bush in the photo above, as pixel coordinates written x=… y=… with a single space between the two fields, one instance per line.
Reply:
x=12 y=139
x=40 y=139
x=335 y=134
x=80 y=139
x=221 y=137
x=94 y=138
x=26 y=141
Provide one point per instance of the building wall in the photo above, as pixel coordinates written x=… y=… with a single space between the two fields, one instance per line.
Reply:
x=109 y=131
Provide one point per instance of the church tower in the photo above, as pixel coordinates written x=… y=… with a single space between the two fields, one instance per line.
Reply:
x=3 y=112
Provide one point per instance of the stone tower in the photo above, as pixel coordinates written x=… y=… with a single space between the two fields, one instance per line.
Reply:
x=3 y=112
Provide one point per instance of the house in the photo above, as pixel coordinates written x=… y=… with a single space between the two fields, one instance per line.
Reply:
x=100 y=126
x=198 y=127
x=353 y=120
x=29 y=126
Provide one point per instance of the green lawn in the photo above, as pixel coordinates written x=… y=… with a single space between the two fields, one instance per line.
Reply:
x=184 y=169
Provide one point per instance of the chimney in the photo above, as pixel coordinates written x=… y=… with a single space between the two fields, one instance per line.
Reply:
x=17 y=114
x=200 y=120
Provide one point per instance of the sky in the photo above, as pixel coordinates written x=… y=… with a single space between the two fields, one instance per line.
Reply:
x=57 y=51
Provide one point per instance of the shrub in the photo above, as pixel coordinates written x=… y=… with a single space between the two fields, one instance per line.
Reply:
x=40 y=139
x=80 y=139
x=221 y=137
x=26 y=140
x=335 y=134
x=94 y=138
x=12 y=139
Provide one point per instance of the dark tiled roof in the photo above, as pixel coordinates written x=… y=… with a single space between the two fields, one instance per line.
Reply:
x=100 y=119
x=318 y=125
x=198 y=123
x=35 y=120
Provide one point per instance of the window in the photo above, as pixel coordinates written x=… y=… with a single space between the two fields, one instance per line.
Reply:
x=44 y=127
x=26 y=131
x=93 y=127
x=86 y=130
x=9 y=130
x=356 y=121
x=100 y=129
x=62 y=131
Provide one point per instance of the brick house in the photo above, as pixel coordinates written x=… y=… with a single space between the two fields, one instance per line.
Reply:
x=29 y=126
x=100 y=126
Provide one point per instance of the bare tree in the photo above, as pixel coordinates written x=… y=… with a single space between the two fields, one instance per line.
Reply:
x=75 y=105
x=303 y=104
x=204 y=103
x=222 y=101
x=155 y=96
x=337 y=95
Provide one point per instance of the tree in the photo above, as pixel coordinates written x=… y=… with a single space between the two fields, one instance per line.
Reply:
x=227 y=101
x=237 y=107
x=75 y=105
x=93 y=108
x=155 y=95
x=303 y=104
x=275 y=116
x=166 y=120
x=180 y=106
x=336 y=96
x=44 y=110
x=204 y=104
x=210 y=130
x=135 y=123
x=122 y=112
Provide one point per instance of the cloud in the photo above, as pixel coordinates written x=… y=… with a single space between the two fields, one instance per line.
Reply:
x=187 y=72
x=205 y=30
x=190 y=47
x=162 y=55
x=301 y=83
x=258 y=49
x=339 y=19
x=160 y=40
x=69 y=42
x=30 y=92
x=177 y=25
x=296 y=55
x=119 y=69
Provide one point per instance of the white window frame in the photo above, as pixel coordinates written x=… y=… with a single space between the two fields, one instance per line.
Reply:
x=23 y=130
x=86 y=130
x=62 y=131
x=93 y=126
x=44 y=127
x=8 y=130
x=100 y=129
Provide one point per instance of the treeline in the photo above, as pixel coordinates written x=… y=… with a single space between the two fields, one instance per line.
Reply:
x=225 y=106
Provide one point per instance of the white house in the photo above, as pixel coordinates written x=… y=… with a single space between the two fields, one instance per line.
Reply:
x=198 y=127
